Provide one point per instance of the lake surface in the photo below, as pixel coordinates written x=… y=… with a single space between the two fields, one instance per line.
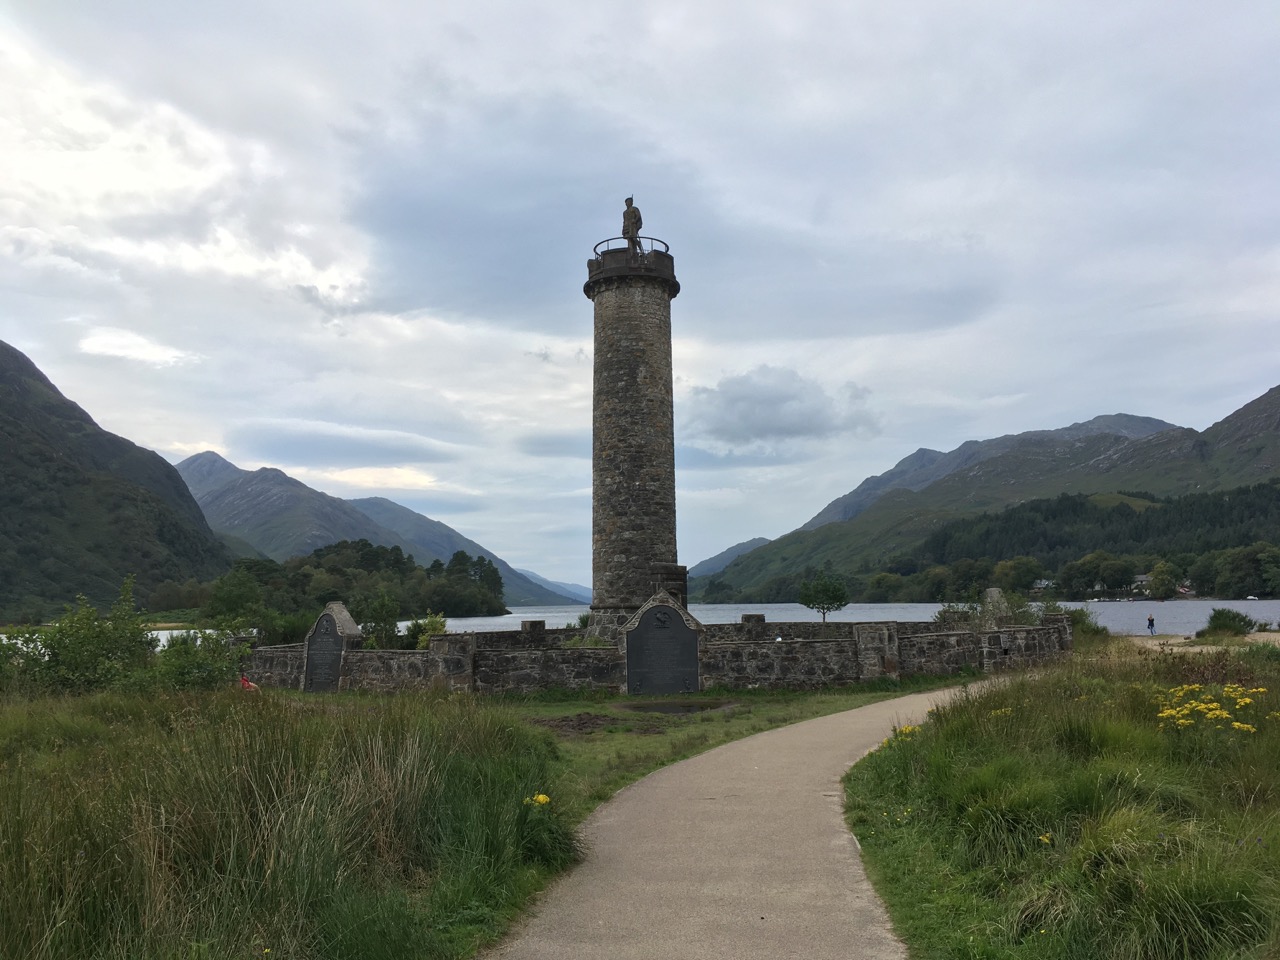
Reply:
x=1126 y=616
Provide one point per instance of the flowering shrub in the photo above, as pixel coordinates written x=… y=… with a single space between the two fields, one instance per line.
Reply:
x=1208 y=705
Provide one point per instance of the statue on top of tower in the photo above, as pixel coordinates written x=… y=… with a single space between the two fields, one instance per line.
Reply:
x=632 y=223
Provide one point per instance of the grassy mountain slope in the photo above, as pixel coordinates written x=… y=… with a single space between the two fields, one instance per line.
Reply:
x=1242 y=449
x=925 y=467
x=283 y=517
x=725 y=557
x=81 y=508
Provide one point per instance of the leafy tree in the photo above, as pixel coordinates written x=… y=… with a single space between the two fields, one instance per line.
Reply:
x=377 y=616
x=235 y=596
x=1017 y=575
x=1203 y=574
x=459 y=567
x=825 y=593
x=882 y=588
x=718 y=590
x=485 y=573
x=1117 y=574
x=1164 y=580
x=1246 y=571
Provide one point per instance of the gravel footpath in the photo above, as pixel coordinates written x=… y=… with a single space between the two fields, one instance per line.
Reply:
x=740 y=853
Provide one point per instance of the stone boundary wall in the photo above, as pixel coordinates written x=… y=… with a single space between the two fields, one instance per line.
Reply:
x=735 y=656
x=279 y=666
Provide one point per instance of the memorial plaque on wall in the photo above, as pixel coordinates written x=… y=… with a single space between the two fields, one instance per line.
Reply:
x=662 y=653
x=324 y=656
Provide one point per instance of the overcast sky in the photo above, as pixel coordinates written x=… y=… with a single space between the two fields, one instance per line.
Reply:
x=349 y=239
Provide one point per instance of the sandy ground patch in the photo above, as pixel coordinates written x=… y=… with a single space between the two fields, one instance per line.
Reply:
x=1187 y=644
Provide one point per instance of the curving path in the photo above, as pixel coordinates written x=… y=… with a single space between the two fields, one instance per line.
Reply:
x=739 y=853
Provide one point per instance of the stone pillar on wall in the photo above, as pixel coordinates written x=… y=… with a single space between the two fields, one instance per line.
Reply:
x=633 y=486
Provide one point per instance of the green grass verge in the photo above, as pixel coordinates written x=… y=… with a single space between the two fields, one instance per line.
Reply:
x=228 y=825
x=1120 y=806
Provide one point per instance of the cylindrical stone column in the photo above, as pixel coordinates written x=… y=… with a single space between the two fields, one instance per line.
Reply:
x=633 y=483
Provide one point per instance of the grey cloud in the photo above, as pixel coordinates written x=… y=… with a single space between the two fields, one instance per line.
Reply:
x=568 y=444
x=774 y=405
x=502 y=228
x=288 y=442
x=689 y=457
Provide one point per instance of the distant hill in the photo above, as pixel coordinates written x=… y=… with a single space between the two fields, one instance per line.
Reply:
x=725 y=557
x=81 y=508
x=898 y=510
x=283 y=517
x=575 y=590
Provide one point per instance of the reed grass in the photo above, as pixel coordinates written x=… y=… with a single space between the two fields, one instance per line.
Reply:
x=1124 y=806
x=225 y=825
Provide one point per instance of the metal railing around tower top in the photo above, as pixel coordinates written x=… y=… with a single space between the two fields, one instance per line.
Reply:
x=647 y=245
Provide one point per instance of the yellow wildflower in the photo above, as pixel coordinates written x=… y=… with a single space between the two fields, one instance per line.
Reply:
x=1244 y=727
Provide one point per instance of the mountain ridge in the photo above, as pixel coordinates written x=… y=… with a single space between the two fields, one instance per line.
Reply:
x=1241 y=449
x=925 y=467
x=282 y=517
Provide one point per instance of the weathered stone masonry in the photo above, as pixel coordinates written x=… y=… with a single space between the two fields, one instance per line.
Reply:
x=735 y=656
x=633 y=513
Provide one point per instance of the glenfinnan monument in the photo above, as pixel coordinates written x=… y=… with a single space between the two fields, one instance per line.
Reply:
x=632 y=281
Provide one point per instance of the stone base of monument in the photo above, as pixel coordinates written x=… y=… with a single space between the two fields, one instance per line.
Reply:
x=660 y=643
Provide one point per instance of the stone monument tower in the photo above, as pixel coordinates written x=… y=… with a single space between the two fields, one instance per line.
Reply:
x=632 y=281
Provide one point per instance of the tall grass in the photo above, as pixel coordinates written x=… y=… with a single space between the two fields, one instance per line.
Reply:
x=233 y=825
x=1126 y=807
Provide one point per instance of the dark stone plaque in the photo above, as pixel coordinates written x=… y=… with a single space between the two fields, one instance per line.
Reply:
x=324 y=656
x=662 y=653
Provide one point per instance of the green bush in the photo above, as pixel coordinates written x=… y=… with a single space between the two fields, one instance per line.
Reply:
x=1224 y=620
x=198 y=660
x=418 y=632
x=86 y=650
x=1084 y=624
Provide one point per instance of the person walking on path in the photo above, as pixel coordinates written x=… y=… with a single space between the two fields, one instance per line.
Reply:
x=1151 y=625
